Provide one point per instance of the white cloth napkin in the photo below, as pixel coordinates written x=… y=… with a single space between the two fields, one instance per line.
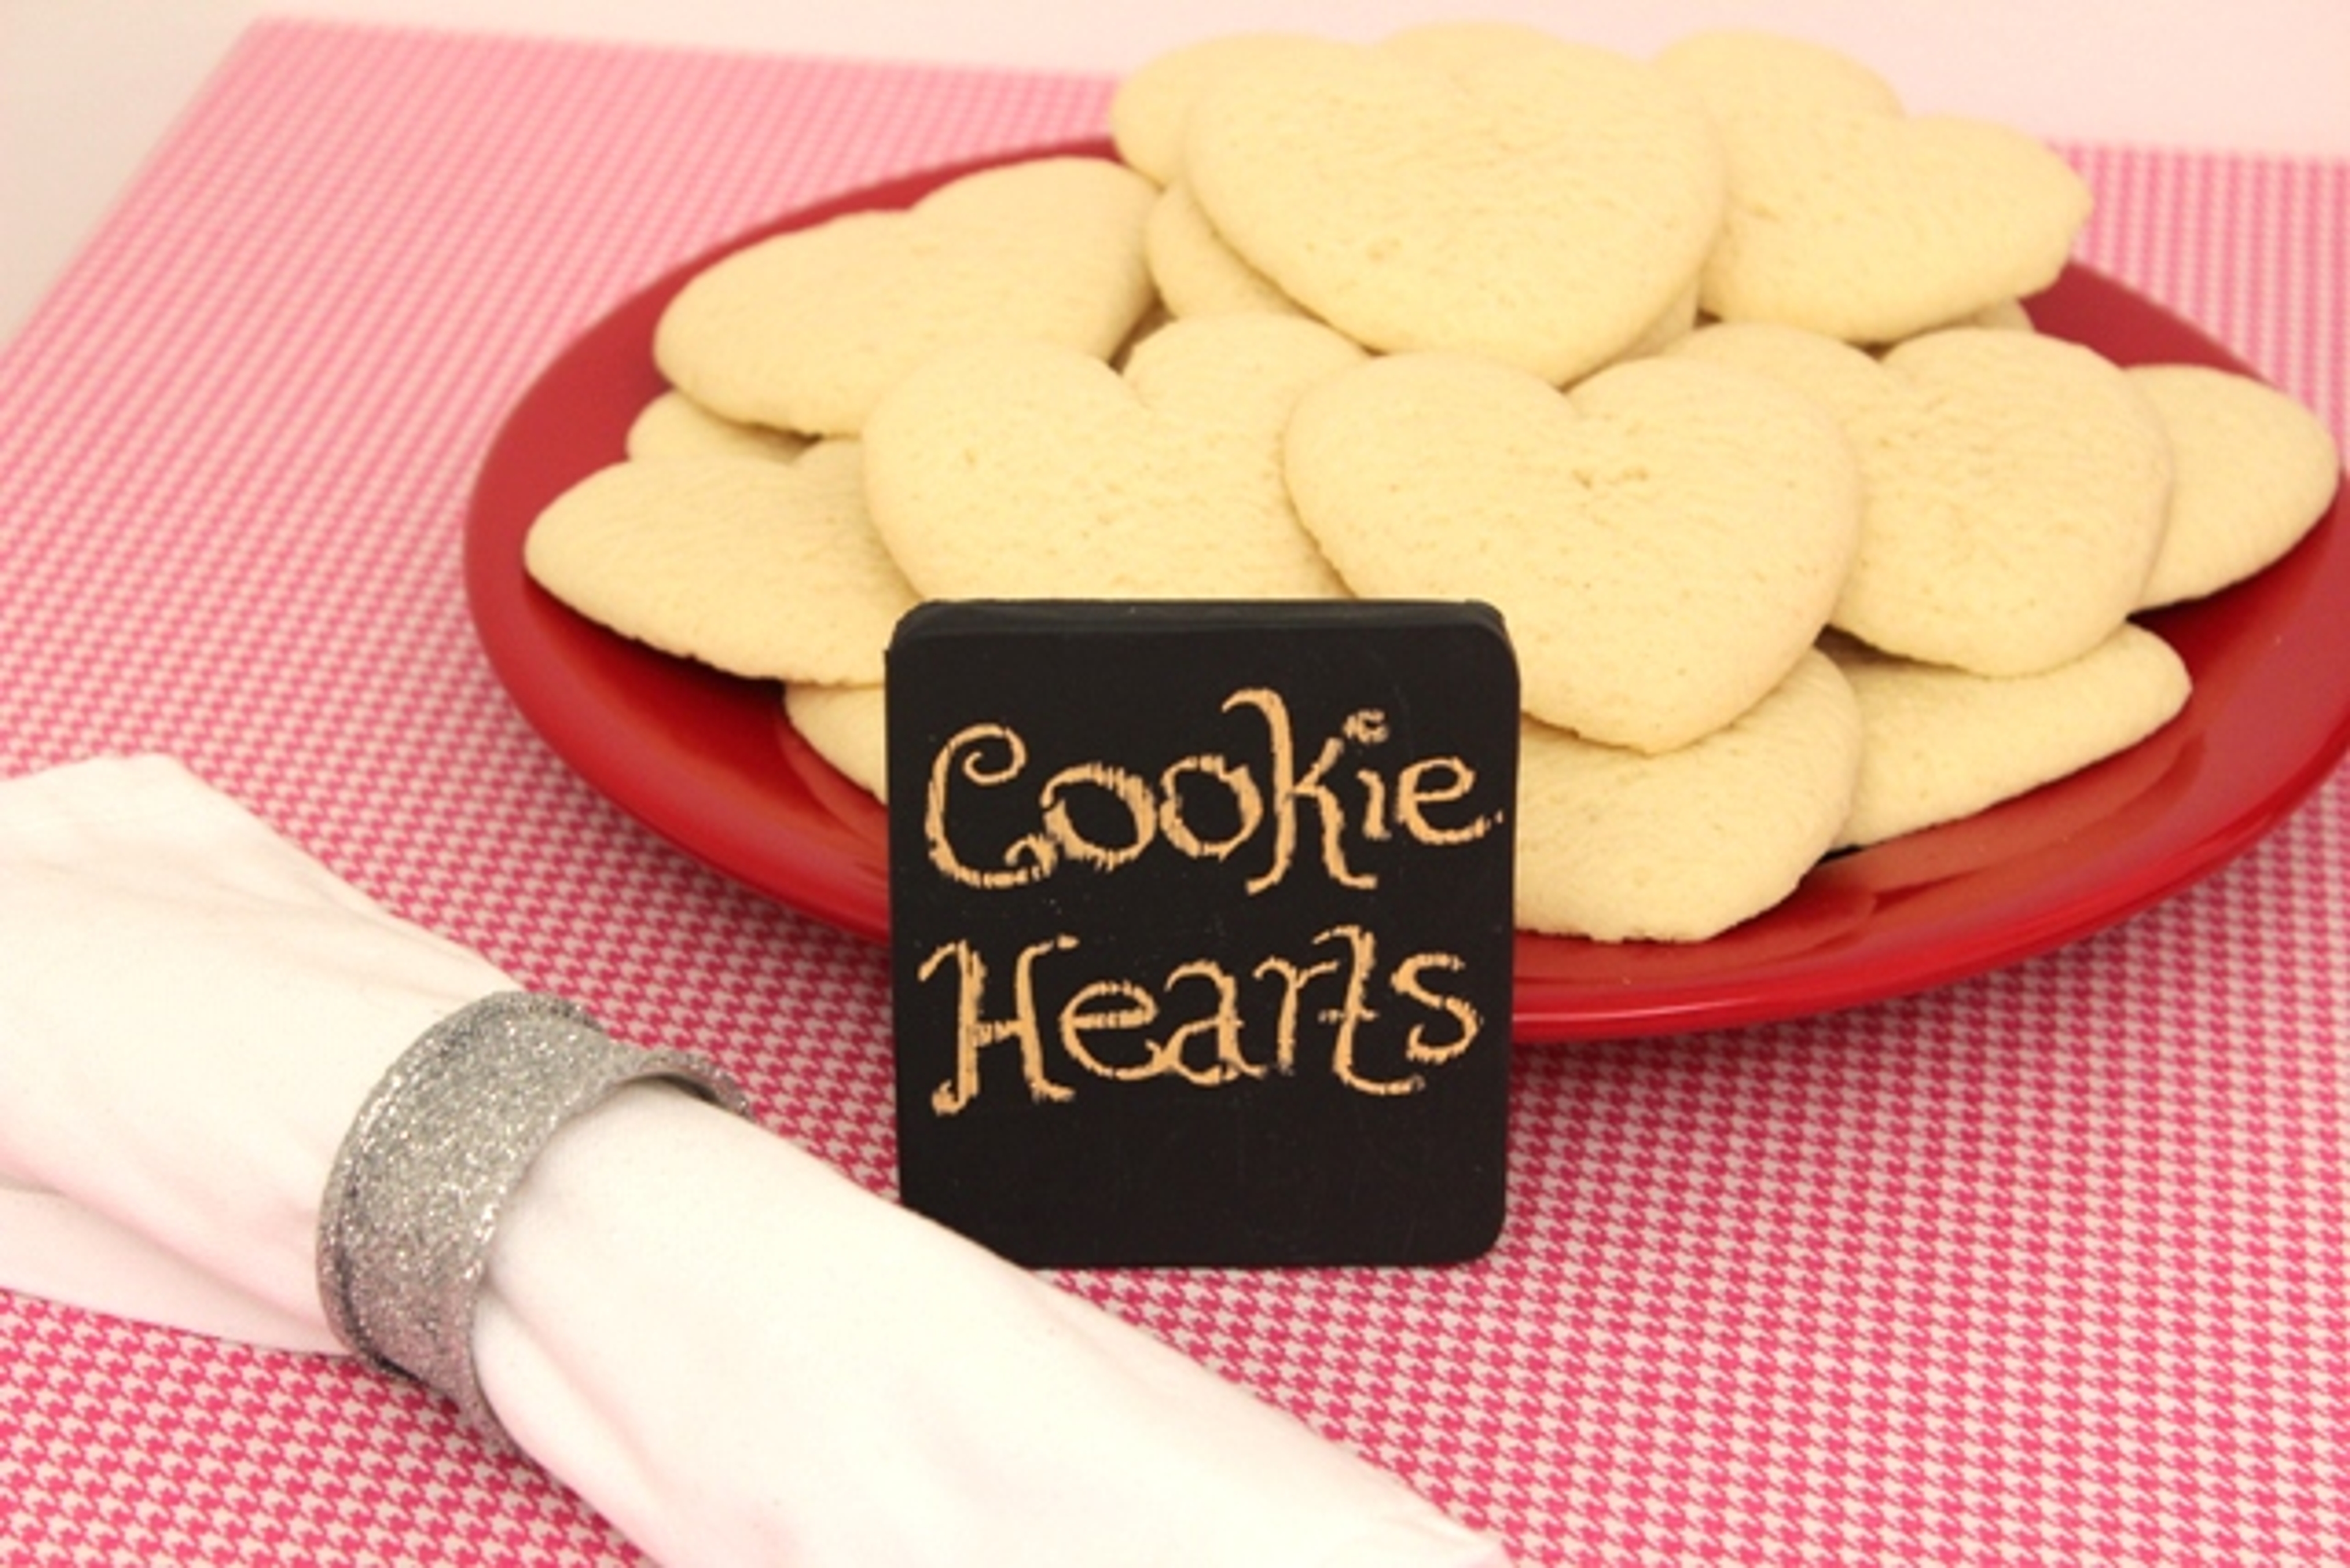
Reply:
x=733 y=1352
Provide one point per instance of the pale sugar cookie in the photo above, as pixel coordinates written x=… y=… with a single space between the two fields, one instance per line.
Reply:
x=1620 y=846
x=1665 y=540
x=1543 y=205
x=2005 y=315
x=674 y=425
x=1151 y=108
x=1678 y=320
x=848 y=727
x=2254 y=470
x=805 y=330
x=1020 y=469
x=1458 y=46
x=1848 y=216
x=1196 y=273
x=2016 y=488
x=1937 y=743
x=764 y=569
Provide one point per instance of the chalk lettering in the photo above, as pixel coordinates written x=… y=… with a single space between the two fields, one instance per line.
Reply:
x=1128 y=790
x=1103 y=1026
x=1028 y=858
x=1294 y=978
x=1352 y=1013
x=1413 y=792
x=1102 y=816
x=1290 y=787
x=1406 y=982
x=975 y=1032
x=1174 y=820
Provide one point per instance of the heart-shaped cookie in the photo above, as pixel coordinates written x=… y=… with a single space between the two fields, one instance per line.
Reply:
x=1854 y=219
x=1196 y=273
x=763 y=568
x=1939 y=743
x=1665 y=540
x=805 y=330
x=1543 y=205
x=1151 y=111
x=848 y=726
x=2017 y=487
x=1620 y=846
x=1020 y=470
x=2252 y=472
x=674 y=425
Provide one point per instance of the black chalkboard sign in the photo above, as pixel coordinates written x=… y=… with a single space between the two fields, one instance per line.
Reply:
x=1201 y=928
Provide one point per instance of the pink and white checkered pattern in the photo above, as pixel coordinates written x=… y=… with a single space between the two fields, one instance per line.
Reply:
x=2046 y=1267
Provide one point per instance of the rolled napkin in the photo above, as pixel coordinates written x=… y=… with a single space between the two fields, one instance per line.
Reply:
x=733 y=1352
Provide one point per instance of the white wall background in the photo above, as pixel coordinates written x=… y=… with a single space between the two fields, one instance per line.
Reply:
x=87 y=87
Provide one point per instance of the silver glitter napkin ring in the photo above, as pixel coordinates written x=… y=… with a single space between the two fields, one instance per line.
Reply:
x=414 y=1197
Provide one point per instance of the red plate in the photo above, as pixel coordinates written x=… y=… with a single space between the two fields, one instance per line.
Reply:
x=709 y=761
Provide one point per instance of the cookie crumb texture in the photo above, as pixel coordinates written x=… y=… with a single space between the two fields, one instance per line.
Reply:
x=1713 y=370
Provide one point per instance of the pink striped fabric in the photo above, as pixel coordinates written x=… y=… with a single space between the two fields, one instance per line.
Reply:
x=2045 y=1267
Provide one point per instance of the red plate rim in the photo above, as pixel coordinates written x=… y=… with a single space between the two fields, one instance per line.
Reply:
x=709 y=763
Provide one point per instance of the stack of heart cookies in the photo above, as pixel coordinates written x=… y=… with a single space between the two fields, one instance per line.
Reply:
x=1711 y=371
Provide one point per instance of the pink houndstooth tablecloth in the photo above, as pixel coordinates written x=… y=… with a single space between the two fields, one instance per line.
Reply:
x=2050 y=1266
